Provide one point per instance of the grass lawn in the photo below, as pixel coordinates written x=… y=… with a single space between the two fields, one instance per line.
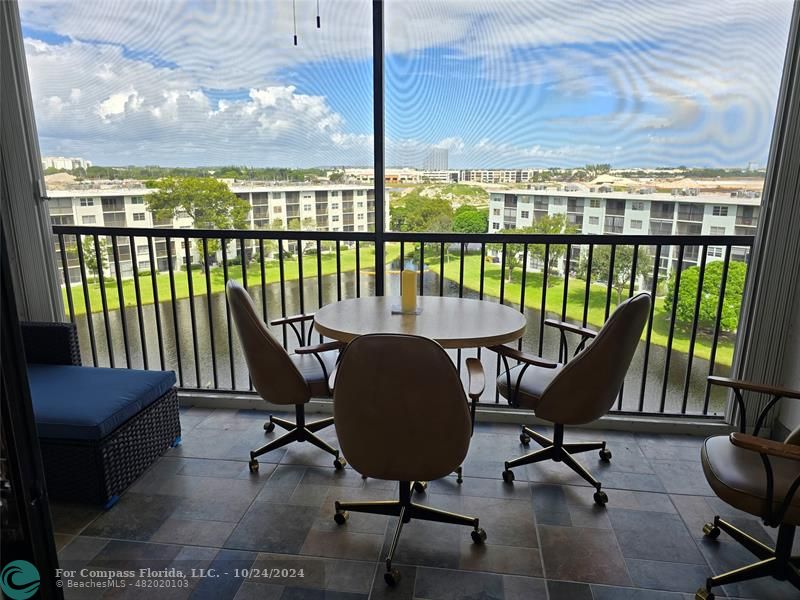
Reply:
x=272 y=272
x=575 y=303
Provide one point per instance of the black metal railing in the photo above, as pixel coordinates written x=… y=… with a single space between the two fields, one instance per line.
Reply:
x=160 y=303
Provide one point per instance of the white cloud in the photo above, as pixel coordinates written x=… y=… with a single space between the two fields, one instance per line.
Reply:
x=157 y=113
x=169 y=80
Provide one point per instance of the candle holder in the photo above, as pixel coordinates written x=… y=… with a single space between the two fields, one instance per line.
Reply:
x=398 y=310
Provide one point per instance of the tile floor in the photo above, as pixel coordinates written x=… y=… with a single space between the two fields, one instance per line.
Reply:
x=199 y=507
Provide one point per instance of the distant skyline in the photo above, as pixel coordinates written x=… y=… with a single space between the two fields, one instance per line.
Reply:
x=506 y=84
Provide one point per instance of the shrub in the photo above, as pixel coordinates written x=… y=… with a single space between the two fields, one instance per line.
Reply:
x=709 y=300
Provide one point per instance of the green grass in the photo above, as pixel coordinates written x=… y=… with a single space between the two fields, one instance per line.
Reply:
x=595 y=314
x=272 y=273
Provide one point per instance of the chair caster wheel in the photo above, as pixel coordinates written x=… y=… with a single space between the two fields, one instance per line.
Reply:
x=605 y=455
x=711 y=531
x=478 y=536
x=508 y=476
x=253 y=465
x=524 y=439
x=704 y=594
x=420 y=486
x=392 y=577
x=269 y=427
x=339 y=463
x=600 y=498
x=341 y=517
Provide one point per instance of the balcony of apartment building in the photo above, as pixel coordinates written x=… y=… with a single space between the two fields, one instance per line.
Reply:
x=625 y=520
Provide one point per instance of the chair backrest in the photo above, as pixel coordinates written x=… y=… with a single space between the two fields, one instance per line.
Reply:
x=586 y=388
x=400 y=409
x=274 y=375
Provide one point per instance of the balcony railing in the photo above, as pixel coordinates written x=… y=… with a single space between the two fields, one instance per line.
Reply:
x=150 y=313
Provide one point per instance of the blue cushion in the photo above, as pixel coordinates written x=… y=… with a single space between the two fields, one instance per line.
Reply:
x=87 y=403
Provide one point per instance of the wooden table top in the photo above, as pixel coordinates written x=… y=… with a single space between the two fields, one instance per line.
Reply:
x=452 y=322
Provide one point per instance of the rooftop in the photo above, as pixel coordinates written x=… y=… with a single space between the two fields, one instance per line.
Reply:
x=700 y=198
x=127 y=190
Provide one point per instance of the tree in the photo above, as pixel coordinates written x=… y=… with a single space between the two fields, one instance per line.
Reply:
x=209 y=202
x=514 y=252
x=550 y=225
x=337 y=177
x=709 y=299
x=422 y=213
x=90 y=255
x=623 y=265
x=468 y=219
x=593 y=171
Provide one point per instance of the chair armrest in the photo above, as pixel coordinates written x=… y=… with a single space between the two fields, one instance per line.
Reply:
x=51 y=343
x=564 y=326
x=476 y=378
x=317 y=348
x=737 y=386
x=529 y=359
x=754 y=387
x=765 y=446
x=290 y=320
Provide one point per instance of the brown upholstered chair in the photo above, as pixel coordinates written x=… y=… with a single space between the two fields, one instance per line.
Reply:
x=282 y=378
x=758 y=476
x=573 y=391
x=401 y=415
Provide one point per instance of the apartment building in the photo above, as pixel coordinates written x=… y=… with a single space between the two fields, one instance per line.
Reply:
x=313 y=207
x=62 y=162
x=642 y=212
x=497 y=175
x=318 y=208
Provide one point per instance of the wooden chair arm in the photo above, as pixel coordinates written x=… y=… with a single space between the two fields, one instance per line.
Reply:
x=524 y=358
x=476 y=378
x=754 y=387
x=765 y=446
x=292 y=319
x=564 y=326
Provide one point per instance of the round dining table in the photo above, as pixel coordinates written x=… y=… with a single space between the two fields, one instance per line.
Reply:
x=452 y=322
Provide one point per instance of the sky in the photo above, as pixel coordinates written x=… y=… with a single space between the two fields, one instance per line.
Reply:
x=499 y=83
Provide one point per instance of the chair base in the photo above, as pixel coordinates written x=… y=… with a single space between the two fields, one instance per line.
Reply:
x=558 y=451
x=297 y=432
x=778 y=562
x=406 y=510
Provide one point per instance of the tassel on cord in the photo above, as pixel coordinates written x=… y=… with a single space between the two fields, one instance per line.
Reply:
x=317 y=14
x=294 y=20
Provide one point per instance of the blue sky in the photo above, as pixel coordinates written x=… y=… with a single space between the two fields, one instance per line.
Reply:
x=511 y=83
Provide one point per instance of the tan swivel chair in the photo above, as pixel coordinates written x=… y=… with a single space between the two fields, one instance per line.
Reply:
x=401 y=415
x=573 y=391
x=282 y=378
x=758 y=476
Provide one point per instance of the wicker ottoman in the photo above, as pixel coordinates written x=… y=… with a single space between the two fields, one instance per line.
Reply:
x=99 y=429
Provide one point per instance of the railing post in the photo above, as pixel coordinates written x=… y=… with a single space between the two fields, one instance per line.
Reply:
x=378 y=144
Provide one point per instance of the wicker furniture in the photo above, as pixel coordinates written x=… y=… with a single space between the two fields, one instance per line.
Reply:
x=87 y=460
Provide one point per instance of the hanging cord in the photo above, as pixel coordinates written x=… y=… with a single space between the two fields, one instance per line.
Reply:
x=317 y=14
x=294 y=20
